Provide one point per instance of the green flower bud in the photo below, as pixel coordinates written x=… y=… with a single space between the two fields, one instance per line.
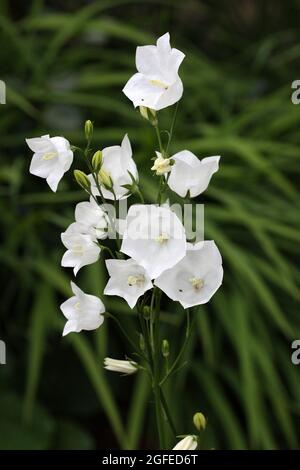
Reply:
x=149 y=114
x=199 y=421
x=88 y=129
x=165 y=348
x=97 y=161
x=82 y=179
x=105 y=179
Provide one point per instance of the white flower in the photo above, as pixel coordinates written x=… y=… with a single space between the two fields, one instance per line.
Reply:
x=81 y=248
x=157 y=83
x=124 y=367
x=161 y=165
x=188 y=173
x=51 y=159
x=92 y=218
x=128 y=280
x=83 y=311
x=187 y=443
x=195 y=279
x=154 y=237
x=117 y=161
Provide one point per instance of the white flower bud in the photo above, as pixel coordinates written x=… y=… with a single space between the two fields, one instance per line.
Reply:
x=187 y=443
x=117 y=365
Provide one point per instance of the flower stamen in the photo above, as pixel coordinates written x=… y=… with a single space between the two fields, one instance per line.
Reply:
x=50 y=155
x=136 y=280
x=162 y=238
x=196 y=283
x=159 y=84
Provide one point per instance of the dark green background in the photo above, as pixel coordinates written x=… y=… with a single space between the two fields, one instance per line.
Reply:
x=67 y=61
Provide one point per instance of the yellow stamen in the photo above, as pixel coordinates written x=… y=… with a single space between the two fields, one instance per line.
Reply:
x=197 y=283
x=49 y=155
x=136 y=280
x=159 y=84
x=163 y=238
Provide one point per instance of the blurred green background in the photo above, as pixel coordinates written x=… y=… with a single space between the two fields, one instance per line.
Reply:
x=66 y=61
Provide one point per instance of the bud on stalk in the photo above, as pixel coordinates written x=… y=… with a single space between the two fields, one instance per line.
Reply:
x=82 y=179
x=97 y=161
x=88 y=129
x=199 y=421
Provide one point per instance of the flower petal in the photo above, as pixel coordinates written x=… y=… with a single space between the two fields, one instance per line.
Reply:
x=141 y=92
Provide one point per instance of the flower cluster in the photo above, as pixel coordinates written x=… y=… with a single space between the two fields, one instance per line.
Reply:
x=154 y=255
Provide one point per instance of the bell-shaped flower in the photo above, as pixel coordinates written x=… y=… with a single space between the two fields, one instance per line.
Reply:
x=117 y=163
x=157 y=83
x=83 y=311
x=127 y=280
x=195 y=279
x=188 y=173
x=154 y=237
x=82 y=249
x=187 y=443
x=121 y=366
x=51 y=159
x=92 y=218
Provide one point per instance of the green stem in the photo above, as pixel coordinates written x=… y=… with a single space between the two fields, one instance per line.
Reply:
x=159 y=139
x=172 y=127
x=106 y=248
x=110 y=315
x=155 y=313
x=168 y=414
x=146 y=338
x=138 y=192
x=186 y=340
x=157 y=398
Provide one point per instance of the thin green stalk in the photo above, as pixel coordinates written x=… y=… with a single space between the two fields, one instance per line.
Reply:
x=146 y=338
x=130 y=341
x=140 y=195
x=186 y=340
x=168 y=414
x=172 y=127
x=155 y=312
x=159 y=139
x=156 y=391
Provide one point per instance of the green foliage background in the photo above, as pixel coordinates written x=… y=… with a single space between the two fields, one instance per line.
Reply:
x=67 y=61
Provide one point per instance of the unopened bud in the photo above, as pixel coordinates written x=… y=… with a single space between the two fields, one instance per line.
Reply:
x=149 y=114
x=123 y=367
x=97 y=160
x=105 y=179
x=88 y=129
x=82 y=179
x=199 y=421
x=165 y=348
